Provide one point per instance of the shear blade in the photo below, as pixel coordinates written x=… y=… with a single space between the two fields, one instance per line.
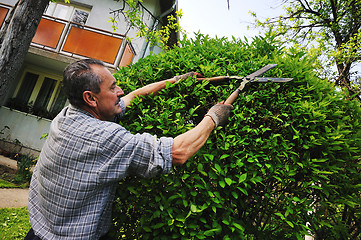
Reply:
x=269 y=79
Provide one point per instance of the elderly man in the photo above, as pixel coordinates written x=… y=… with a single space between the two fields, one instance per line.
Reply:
x=85 y=154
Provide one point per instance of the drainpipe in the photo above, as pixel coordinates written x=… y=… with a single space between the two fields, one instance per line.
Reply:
x=156 y=23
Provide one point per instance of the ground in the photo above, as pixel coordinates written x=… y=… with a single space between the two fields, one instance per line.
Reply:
x=7 y=173
x=13 y=191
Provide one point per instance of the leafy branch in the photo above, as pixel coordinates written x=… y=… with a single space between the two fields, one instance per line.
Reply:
x=133 y=11
x=331 y=32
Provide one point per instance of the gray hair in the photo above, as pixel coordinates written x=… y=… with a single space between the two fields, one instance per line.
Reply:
x=79 y=77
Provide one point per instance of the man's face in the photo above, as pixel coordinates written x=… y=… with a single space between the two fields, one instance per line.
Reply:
x=107 y=100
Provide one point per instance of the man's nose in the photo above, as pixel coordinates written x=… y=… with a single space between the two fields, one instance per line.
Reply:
x=120 y=91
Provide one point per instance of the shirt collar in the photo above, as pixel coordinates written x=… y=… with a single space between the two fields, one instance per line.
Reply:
x=75 y=110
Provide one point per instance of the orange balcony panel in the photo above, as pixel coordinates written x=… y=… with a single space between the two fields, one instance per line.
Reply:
x=92 y=44
x=48 y=33
x=127 y=56
x=3 y=12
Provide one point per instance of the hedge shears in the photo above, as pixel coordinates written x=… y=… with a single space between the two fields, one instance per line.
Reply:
x=253 y=77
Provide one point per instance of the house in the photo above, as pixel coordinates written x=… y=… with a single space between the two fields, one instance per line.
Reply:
x=67 y=32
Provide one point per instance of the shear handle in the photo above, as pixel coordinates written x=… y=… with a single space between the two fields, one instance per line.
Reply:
x=234 y=95
x=214 y=79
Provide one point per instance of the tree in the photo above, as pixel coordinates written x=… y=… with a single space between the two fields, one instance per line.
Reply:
x=289 y=155
x=15 y=39
x=333 y=26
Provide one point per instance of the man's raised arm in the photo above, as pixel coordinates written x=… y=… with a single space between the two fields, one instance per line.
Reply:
x=155 y=87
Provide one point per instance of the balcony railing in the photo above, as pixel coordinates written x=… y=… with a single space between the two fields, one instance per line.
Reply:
x=4 y=9
x=79 y=41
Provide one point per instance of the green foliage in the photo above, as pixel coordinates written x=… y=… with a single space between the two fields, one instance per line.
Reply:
x=24 y=163
x=156 y=36
x=289 y=155
x=6 y=184
x=14 y=223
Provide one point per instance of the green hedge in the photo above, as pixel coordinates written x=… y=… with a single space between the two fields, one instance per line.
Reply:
x=287 y=163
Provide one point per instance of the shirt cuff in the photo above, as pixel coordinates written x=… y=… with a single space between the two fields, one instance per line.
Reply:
x=163 y=159
x=122 y=106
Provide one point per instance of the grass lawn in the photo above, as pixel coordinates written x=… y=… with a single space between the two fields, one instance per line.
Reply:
x=10 y=178
x=6 y=184
x=14 y=223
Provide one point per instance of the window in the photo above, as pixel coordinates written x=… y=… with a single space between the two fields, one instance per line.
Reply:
x=39 y=94
x=27 y=87
x=59 y=103
x=68 y=12
x=44 y=95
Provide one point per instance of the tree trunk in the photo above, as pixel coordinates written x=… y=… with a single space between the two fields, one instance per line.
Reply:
x=344 y=80
x=15 y=38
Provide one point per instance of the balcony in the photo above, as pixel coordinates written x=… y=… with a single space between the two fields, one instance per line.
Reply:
x=79 y=41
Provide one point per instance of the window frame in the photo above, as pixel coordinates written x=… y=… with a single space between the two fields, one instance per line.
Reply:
x=35 y=92
x=71 y=13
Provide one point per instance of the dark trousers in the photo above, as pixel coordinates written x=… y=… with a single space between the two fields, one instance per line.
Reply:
x=31 y=235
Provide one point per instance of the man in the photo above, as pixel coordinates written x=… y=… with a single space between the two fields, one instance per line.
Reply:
x=85 y=154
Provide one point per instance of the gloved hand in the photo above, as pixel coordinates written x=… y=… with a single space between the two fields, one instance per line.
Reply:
x=186 y=75
x=220 y=113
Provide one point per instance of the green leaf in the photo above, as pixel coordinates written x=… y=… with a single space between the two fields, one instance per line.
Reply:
x=209 y=233
x=238 y=226
x=291 y=224
x=158 y=225
x=193 y=208
x=280 y=215
x=132 y=190
x=224 y=156
x=235 y=195
x=242 y=178
x=244 y=191
x=226 y=222
x=218 y=168
x=228 y=181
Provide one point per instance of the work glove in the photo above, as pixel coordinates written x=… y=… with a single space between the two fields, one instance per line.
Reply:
x=186 y=75
x=220 y=113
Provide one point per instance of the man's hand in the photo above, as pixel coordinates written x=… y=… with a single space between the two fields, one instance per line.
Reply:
x=220 y=113
x=187 y=75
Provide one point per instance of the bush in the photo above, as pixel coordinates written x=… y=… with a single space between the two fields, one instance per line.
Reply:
x=287 y=163
x=25 y=163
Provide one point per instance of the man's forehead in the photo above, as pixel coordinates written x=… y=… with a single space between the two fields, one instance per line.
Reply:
x=103 y=73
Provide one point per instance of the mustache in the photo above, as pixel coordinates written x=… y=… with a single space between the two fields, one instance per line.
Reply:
x=117 y=102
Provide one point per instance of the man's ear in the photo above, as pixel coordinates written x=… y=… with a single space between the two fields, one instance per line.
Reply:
x=89 y=98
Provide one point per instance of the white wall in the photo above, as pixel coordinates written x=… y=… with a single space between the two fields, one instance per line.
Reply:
x=9 y=2
x=24 y=127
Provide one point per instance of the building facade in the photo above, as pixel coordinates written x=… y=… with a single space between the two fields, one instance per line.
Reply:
x=67 y=32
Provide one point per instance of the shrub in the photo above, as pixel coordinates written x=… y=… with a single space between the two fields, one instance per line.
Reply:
x=287 y=163
x=25 y=163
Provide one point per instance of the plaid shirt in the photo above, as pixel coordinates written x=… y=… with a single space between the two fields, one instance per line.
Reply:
x=74 y=182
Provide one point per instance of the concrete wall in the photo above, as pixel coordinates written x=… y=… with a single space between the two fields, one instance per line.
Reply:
x=25 y=128
x=9 y=2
